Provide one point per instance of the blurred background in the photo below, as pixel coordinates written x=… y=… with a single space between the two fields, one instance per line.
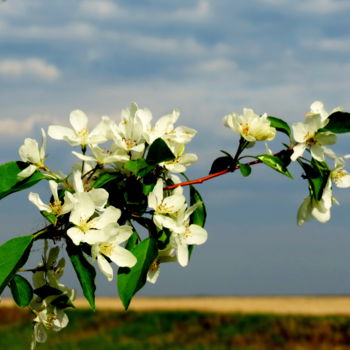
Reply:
x=207 y=59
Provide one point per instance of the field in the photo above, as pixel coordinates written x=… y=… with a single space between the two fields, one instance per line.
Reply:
x=193 y=323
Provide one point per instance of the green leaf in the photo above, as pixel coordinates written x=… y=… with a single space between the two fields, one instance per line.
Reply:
x=139 y=167
x=13 y=255
x=317 y=175
x=132 y=241
x=220 y=164
x=51 y=218
x=275 y=163
x=338 y=123
x=85 y=272
x=159 y=152
x=280 y=125
x=104 y=179
x=21 y=290
x=199 y=216
x=245 y=169
x=8 y=178
x=131 y=280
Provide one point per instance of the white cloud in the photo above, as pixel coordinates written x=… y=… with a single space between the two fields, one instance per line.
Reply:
x=101 y=8
x=198 y=13
x=19 y=128
x=317 y=7
x=339 y=45
x=216 y=66
x=29 y=67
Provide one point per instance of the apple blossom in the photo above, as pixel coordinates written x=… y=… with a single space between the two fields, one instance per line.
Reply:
x=80 y=134
x=250 y=126
x=32 y=154
x=306 y=135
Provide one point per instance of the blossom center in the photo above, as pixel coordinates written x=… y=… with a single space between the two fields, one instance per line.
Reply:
x=106 y=248
x=129 y=142
x=245 y=128
x=56 y=207
x=164 y=208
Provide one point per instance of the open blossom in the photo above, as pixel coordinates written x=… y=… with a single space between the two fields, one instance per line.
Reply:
x=164 y=207
x=101 y=156
x=306 y=135
x=339 y=176
x=56 y=207
x=105 y=243
x=80 y=134
x=32 y=154
x=164 y=128
x=181 y=161
x=185 y=234
x=250 y=126
x=129 y=134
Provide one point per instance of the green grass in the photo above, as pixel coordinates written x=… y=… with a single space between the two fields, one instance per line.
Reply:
x=109 y=330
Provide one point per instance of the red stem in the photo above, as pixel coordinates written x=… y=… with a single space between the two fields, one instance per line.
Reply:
x=208 y=177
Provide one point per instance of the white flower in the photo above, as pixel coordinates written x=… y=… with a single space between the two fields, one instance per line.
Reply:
x=80 y=134
x=318 y=209
x=165 y=206
x=306 y=135
x=181 y=161
x=107 y=244
x=30 y=153
x=185 y=234
x=50 y=318
x=164 y=128
x=102 y=157
x=317 y=108
x=250 y=126
x=56 y=207
x=164 y=255
x=128 y=135
x=86 y=225
x=339 y=176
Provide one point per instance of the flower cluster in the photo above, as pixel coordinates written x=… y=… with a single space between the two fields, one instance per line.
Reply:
x=121 y=179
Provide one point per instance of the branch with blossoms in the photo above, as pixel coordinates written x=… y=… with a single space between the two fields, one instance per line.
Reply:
x=124 y=204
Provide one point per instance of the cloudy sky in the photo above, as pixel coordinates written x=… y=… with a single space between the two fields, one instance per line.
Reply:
x=207 y=58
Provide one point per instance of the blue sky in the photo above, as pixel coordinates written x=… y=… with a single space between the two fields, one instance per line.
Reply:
x=207 y=59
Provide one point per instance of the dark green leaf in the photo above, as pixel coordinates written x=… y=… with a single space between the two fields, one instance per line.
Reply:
x=104 y=179
x=220 y=164
x=275 y=163
x=338 y=123
x=131 y=280
x=8 y=178
x=280 y=125
x=245 y=169
x=85 y=272
x=21 y=290
x=46 y=291
x=13 y=255
x=159 y=152
x=139 y=167
x=62 y=302
x=317 y=175
x=199 y=216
